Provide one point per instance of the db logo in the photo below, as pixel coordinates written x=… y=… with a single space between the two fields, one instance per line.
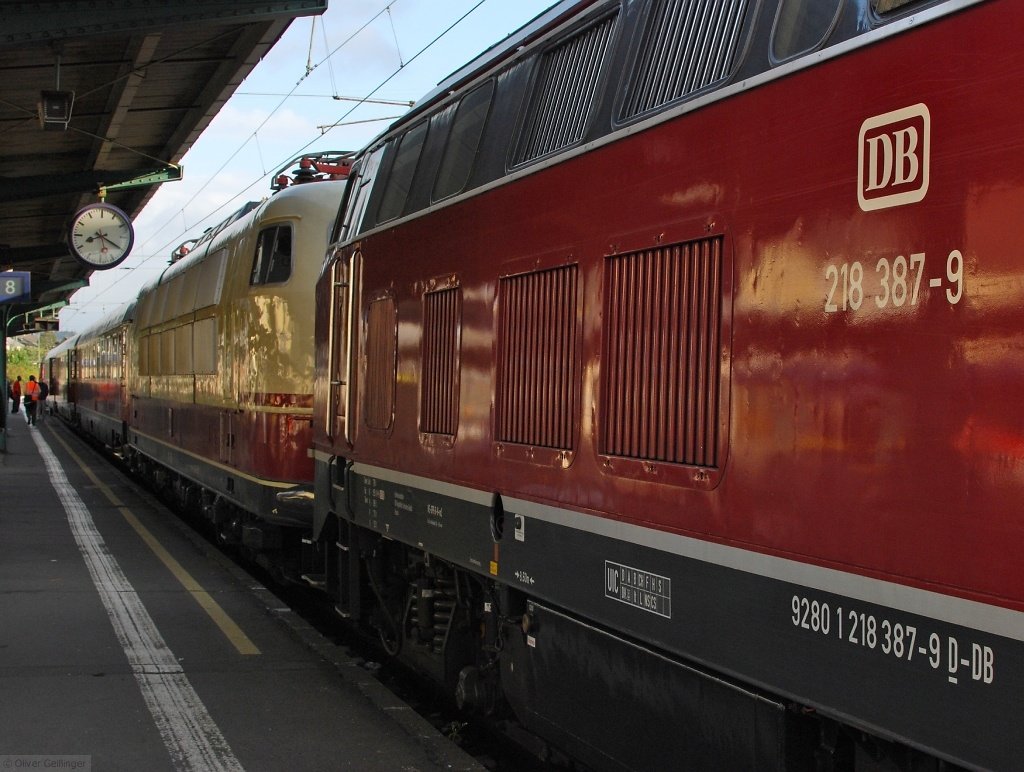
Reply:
x=893 y=156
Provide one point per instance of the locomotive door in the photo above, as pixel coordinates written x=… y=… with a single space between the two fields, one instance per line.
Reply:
x=227 y=437
x=344 y=279
x=122 y=376
x=72 y=381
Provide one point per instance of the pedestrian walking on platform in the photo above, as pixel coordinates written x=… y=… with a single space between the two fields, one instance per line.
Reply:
x=44 y=392
x=16 y=395
x=31 y=400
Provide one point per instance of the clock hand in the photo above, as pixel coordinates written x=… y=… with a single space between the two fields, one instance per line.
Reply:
x=103 y=237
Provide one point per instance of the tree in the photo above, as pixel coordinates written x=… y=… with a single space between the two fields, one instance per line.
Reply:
x=25 y=360
x=21 y=361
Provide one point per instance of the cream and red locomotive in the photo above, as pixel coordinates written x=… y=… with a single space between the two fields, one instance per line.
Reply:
x=205 y=381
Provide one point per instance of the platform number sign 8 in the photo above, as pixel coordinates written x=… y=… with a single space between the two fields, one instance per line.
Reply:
x=13 y=286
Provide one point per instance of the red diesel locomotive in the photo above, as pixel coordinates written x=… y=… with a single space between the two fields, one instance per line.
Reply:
x=668 y=359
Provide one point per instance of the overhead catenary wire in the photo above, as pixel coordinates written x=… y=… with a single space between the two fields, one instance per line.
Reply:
x=339 y=122
x=281 y=104
x=367 y=99
x=330 y=67
x=309 y=54
x=336 y=97
x=325 y=128
x=346 y=41
x=388 y=79
x=394 y=34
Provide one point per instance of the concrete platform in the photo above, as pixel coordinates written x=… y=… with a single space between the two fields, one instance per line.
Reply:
x=126 y=643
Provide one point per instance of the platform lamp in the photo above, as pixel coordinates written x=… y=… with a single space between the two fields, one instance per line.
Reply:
x=55 y=106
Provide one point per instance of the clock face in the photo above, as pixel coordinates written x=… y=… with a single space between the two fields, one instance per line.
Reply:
x=101 y=236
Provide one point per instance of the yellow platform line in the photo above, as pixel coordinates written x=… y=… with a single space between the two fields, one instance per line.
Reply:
x=242 y=643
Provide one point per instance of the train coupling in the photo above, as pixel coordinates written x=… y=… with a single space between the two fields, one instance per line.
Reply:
x=293 y=507
x=296 y=498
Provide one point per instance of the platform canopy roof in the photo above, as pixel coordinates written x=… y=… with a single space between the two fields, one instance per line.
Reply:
x=147 y=77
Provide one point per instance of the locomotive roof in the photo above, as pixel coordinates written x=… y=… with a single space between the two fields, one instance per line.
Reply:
x=226 y=227
x=116 y=318
x=488 y=58
x=64 y=345
x=205 y=242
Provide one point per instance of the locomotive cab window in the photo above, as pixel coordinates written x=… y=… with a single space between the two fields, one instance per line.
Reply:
x=886 y=6
x=463 y=142
x=399 y=179
x=802 y=25
x=361 y=179
x=272 y=263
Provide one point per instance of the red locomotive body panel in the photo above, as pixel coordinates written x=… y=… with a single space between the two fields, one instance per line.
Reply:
x=852 y=432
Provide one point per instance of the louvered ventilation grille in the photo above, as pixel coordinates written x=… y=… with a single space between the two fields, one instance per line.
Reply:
x=662 y=316
x=688 y=44
x=564 y=92
x=537 y=365
x=440 y=394
x=379 y=402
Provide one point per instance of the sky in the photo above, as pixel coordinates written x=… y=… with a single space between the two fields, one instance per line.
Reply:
x=349 y=52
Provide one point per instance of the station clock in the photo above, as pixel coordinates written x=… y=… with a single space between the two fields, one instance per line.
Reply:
x=101 y=236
